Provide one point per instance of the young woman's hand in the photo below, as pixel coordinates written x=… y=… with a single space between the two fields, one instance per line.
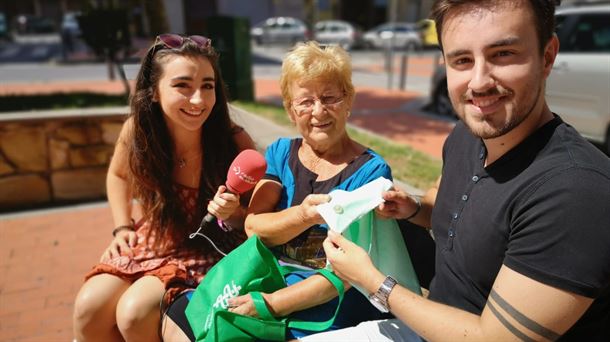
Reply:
x=121 y=244
x=223 y=204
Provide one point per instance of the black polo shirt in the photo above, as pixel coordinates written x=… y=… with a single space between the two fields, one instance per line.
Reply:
x=542 y=209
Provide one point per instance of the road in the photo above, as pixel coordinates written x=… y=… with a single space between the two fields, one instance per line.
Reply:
x=368 y=66
x=39 y=59
x=32 y=48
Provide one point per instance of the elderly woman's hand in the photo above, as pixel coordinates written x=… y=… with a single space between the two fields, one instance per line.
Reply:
x=244 y=305
x=223 y=204
x=308 y=212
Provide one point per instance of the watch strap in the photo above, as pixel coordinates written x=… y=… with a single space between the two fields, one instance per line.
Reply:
x=380 y=298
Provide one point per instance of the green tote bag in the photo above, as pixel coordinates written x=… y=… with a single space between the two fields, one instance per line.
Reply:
x=382 y=240
x=250 y=268
x=352 y=213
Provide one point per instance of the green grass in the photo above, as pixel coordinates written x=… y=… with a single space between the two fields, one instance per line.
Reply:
x=408 y=165
x=274 y=113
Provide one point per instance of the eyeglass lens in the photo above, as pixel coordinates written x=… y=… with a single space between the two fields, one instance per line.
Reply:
x=171 y=40
x=324 y=100
x=201 y=40
x=306 y=105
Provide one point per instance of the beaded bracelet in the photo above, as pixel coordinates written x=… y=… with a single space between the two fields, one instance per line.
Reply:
x=418 y=204
x=224 y=226
x=125 y=226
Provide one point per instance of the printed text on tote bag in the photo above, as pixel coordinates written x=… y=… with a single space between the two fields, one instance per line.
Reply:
x=229 y=291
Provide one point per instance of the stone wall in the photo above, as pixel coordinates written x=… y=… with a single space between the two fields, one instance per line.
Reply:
x=56 y=157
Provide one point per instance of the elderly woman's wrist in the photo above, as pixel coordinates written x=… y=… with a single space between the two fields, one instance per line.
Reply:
x=302 y=216
x=271 y=305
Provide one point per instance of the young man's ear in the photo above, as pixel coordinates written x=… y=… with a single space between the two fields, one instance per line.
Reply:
x=550 y=53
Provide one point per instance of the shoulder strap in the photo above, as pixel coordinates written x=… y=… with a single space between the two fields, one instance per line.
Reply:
x=265 y=314
x=320 y=326
x=261 y=306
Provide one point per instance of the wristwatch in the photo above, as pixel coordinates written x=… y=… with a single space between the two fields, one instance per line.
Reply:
x=379 y=299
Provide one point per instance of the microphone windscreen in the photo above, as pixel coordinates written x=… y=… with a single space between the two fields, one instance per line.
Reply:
x=246 y=170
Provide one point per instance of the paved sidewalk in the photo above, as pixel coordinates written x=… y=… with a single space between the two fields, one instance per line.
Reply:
x=44 y=254
x=43 y=258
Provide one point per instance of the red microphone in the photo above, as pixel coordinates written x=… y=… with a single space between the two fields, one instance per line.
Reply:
x=245 y=171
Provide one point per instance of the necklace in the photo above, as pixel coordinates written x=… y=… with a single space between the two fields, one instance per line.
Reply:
x=183 y=160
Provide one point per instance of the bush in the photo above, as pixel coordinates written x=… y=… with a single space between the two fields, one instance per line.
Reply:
x=11 y=103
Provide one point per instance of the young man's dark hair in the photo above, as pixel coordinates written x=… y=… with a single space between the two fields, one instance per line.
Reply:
x=544 y=14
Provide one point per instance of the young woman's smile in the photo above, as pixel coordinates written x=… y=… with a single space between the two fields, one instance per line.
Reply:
x=186 y=93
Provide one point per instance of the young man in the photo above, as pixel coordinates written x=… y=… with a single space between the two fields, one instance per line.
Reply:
x=521 y=216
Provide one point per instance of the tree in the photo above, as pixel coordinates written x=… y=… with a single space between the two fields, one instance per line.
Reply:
x=106 y=31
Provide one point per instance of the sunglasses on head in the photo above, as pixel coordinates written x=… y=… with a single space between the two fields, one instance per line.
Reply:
x=174 y=41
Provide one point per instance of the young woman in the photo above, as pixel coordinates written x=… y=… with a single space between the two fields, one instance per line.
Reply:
x=172 y=155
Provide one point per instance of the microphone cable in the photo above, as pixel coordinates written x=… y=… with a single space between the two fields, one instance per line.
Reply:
x=199 y=233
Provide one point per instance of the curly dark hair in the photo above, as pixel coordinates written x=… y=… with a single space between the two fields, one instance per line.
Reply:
x=544 y=15
x=150 y=147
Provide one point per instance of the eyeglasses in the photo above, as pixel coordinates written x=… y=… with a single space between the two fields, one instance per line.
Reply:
x=305 y=105
x=174 y=41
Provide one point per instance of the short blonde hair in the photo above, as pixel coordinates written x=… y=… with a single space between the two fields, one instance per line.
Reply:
x=308 y=62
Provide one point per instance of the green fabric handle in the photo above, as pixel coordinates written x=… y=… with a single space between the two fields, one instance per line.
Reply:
x=320 y=326
x=261 y=306
x=286 y=269
x=264 y=313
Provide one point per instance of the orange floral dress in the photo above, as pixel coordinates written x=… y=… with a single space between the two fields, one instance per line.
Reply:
x=177 y=266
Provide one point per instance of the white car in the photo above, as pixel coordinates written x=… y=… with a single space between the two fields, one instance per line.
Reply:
x=399 y=35
x=337 y=32
x=286 y=30
x=578 y=88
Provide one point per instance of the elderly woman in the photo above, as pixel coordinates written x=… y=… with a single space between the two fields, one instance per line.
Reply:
x=318 y=94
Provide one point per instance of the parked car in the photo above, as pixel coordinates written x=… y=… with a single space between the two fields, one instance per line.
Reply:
x=275 y=30
x=578 y=88
x=3 y=26
x=427 y=32
x=338 y=32
x=26 y=23
x=398 y=35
